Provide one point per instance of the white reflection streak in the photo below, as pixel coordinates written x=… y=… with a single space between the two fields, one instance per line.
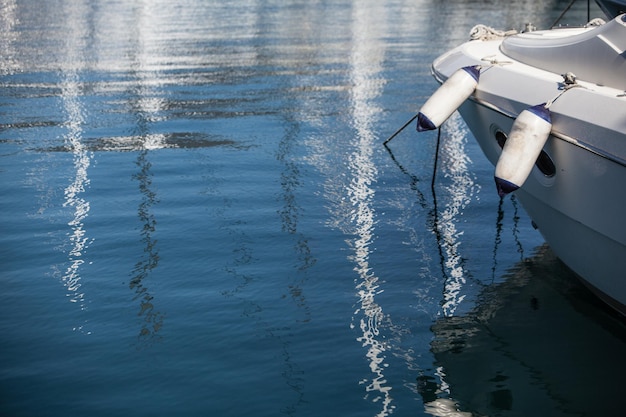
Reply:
x=150 y=32
x=461 y=191
x=71 y=91
x=8 y=21
x=366 y=60
x=444 y=407
x=78 y=238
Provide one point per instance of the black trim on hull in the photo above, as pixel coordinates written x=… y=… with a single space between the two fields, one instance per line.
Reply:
x=566 y=138
x=610 y=301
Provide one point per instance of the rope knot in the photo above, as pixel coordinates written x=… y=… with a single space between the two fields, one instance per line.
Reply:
x=486 y=33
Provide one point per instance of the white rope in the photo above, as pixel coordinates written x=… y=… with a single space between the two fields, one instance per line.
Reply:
x=494 y=61
x=569 y=80
x=486 y=33
x=595 y=22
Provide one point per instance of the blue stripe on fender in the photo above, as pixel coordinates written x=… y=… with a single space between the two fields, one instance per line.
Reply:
x=541 y=111
x=504 y=187
x=473 y=70
x=424 y=123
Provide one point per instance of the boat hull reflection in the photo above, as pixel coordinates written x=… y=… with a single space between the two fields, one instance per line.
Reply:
x=537 y=341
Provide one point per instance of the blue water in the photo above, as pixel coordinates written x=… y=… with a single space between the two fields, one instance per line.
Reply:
x=198 y=218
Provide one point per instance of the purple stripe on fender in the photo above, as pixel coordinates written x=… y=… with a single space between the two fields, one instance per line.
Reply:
x=473 y=70
x=424 y=123
x=541 y=111
x=505 y=187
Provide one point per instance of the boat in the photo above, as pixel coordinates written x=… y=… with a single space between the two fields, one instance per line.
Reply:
x=548 y=109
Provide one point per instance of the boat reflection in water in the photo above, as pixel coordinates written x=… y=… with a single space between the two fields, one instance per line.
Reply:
x=537 y=341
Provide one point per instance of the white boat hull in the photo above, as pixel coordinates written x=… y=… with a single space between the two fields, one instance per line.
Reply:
x=579 y=211
x=577 y=197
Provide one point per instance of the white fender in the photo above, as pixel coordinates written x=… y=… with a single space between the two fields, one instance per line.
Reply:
x=449 y=97
x=528 y=135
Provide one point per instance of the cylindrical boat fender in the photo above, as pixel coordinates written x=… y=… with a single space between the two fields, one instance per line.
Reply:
x=449 y=97
x=528 y=135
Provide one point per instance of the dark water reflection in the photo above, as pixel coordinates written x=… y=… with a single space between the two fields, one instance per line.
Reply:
x=530 y=342
x=152 y=319
x=198 y=216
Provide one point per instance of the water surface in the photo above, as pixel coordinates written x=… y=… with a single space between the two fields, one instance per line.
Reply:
x=198 y=218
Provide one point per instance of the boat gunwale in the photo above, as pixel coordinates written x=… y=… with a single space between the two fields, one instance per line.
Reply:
x=566 y=138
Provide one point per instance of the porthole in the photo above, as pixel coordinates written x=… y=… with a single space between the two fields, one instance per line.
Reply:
x=501 y=138
x=544 y=163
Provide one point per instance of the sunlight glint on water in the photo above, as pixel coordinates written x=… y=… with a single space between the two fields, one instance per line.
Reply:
x=198 y=218
x=366 y=58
